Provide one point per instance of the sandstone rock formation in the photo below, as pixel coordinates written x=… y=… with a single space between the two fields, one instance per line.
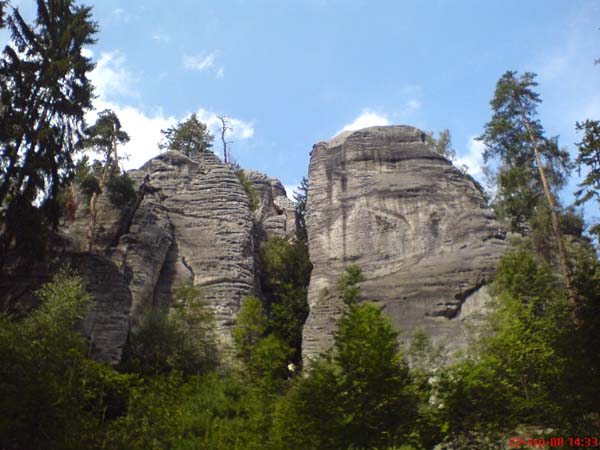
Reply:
x=107 y=323
x=276 y=214
x=191 y=223
x=419 y=229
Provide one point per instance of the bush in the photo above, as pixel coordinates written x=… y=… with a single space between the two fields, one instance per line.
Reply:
x=120 y=190
x=89 y=186
x=51 y=396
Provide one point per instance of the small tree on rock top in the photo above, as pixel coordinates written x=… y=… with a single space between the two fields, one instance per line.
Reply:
x=190 y=137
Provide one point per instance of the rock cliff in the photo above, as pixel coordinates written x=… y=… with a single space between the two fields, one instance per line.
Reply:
x=378 y=197
x=191 y=222
x=420 y=230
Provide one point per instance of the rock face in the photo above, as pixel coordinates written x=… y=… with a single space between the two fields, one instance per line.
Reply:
x=418 y=228
x=191 y=222
x=276 y=215
x=107 y=323
x=196 y=226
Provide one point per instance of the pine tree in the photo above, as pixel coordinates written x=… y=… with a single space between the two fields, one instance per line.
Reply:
x=589 y=158
x=532 y=166
x=190 y=137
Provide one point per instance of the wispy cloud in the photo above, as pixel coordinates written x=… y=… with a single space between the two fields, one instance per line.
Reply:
x=121 y=15
x=161 y=36
x=204 y=63
x=569 y=80
x=410 y=107
x=291 y=189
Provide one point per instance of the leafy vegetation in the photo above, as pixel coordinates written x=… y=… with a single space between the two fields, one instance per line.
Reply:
x=531 y=367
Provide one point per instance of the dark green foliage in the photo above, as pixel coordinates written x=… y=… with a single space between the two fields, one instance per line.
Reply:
x=120 y=190
x=265 y=356
x=347 y=284
x=215 y=411
x=89 y=186
x=583 y=349
x=516 y=373
x=190 y=137
x=51 y=396
x=45 y=92
x=249 y=189
x=427 y=363
x=377 y=405
x=179 y=338
x=285 y=274
x=251 y=328
x=589 y=159
x=361 y=397
x=310 y=417
x=519 y=191
x=300 y=199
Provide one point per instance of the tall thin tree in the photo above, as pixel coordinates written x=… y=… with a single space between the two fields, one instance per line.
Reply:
x=516 y=136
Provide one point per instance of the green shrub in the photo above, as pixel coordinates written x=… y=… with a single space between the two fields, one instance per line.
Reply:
x=120 y=190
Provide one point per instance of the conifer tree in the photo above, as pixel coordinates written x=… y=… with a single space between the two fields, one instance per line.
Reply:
x=589 y=158
x=104 y=136
x=44 y=94
x=300 y=199
x=190 y=137
x=532 y=166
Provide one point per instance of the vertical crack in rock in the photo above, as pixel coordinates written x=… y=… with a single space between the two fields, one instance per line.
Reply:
x=418 y=228
x=188 y=267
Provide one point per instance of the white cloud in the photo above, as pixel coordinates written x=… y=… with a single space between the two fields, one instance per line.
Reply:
x=113 y=81
x=203 y=63
x=290 y=189
x=367 y=118
x=110 y=77
x=473 y=159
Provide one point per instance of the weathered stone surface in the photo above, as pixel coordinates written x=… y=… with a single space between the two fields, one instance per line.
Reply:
x=191 y=222
x=419 y=229
x=276 y=215
x=107 y=323
x=196 y=226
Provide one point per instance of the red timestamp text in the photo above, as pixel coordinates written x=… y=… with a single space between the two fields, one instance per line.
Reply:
x=554 y=442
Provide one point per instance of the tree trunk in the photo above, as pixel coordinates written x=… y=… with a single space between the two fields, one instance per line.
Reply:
x=555 y=222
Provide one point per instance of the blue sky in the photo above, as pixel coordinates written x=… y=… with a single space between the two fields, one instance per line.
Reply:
x=290 y=73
